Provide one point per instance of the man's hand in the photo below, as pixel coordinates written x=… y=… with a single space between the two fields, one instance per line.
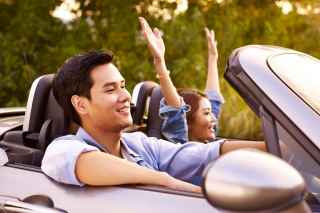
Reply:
x=176 y=184
x=212 y=43
x=154 y=40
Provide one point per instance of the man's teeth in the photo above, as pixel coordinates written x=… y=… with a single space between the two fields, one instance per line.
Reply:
x=124 y=109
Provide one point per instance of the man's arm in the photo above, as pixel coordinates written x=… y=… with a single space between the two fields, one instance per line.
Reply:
x=99 y=168
x=157 y=49
x=231 y=145
x=70 y=160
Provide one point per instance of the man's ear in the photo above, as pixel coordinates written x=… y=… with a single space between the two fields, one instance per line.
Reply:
x=80 y=104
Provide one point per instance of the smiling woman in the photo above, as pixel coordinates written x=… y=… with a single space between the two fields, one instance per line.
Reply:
x=201 y=121
x=188 y=115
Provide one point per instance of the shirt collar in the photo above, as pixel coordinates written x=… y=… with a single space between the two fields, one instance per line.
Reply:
x=128 y=149
x=89 y=140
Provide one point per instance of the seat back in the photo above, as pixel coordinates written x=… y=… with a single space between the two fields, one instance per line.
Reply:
x=146 y=97
x=154 y=121
x=44 y=119
x=140 y=99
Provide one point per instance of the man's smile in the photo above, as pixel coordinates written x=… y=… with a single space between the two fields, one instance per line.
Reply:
x=125 y=110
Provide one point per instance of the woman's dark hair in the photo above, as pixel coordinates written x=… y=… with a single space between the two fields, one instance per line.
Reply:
x=73 y=78
x=191 y=97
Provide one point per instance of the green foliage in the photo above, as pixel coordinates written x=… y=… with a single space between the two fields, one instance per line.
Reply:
x=33 y=42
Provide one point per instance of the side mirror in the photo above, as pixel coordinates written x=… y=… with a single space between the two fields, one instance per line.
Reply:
x=249 y=180
x=34 y=203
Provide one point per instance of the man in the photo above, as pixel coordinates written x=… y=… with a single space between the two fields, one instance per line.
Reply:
x=92 y=93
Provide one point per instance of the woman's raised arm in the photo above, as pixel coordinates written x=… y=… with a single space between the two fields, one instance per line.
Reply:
x=213 y=74
x=157 y=49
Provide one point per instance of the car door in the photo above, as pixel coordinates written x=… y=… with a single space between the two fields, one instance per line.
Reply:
x=21 y=181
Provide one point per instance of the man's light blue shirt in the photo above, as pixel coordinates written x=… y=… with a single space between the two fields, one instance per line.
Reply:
x=183 y=161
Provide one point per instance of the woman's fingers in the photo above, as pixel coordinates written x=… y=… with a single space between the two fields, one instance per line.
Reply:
x=148 y=32
x=145 y=27
x=157 y=32
x=153 y=38
x=212 y=35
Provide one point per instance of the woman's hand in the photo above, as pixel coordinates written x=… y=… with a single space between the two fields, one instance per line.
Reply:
x=157 y=49
x=154 y=40
x=212 y=43
x=212 y=75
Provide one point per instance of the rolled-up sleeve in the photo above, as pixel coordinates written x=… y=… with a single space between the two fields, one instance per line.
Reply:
x=216 y=101
x=60 y=159
x=174 y=126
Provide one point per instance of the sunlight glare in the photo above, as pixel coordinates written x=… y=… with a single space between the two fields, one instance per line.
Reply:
x=285 y=6
x=67 y=11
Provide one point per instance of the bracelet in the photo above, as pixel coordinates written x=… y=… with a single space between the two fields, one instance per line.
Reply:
x=164 y=75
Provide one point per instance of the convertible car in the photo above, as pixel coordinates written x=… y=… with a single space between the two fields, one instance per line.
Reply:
x=280 y=85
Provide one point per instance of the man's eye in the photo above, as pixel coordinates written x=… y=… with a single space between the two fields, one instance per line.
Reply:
x=109 y=90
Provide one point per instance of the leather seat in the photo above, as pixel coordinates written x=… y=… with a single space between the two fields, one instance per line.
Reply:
x=44 y=119
x=146 y=96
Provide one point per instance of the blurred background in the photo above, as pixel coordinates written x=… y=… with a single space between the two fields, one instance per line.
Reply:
x=36 y=36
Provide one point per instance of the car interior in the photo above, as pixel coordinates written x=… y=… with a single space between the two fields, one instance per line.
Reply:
x=147 y=110
x=44 y=120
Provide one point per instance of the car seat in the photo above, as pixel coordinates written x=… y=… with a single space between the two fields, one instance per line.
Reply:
x=146 y=96
x=154 y=121
x=44 y=120
x=140 y=100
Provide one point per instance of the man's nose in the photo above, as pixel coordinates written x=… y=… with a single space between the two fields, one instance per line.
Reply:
x=125 y=96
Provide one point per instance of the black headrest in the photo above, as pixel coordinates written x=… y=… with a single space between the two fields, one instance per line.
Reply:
x=140 y=95
x=146 y=97
x=43 y=113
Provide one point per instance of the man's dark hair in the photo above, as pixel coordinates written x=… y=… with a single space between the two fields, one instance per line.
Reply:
x=73 y=78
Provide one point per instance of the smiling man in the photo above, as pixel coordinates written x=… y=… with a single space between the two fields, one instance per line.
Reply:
x=92 y=92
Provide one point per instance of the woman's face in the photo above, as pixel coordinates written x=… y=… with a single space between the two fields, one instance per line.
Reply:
x=202 y=128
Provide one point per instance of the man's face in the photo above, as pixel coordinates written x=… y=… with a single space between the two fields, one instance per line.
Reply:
x=109 y=107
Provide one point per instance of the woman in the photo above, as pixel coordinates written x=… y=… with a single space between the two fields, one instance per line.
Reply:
x=189 y=115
